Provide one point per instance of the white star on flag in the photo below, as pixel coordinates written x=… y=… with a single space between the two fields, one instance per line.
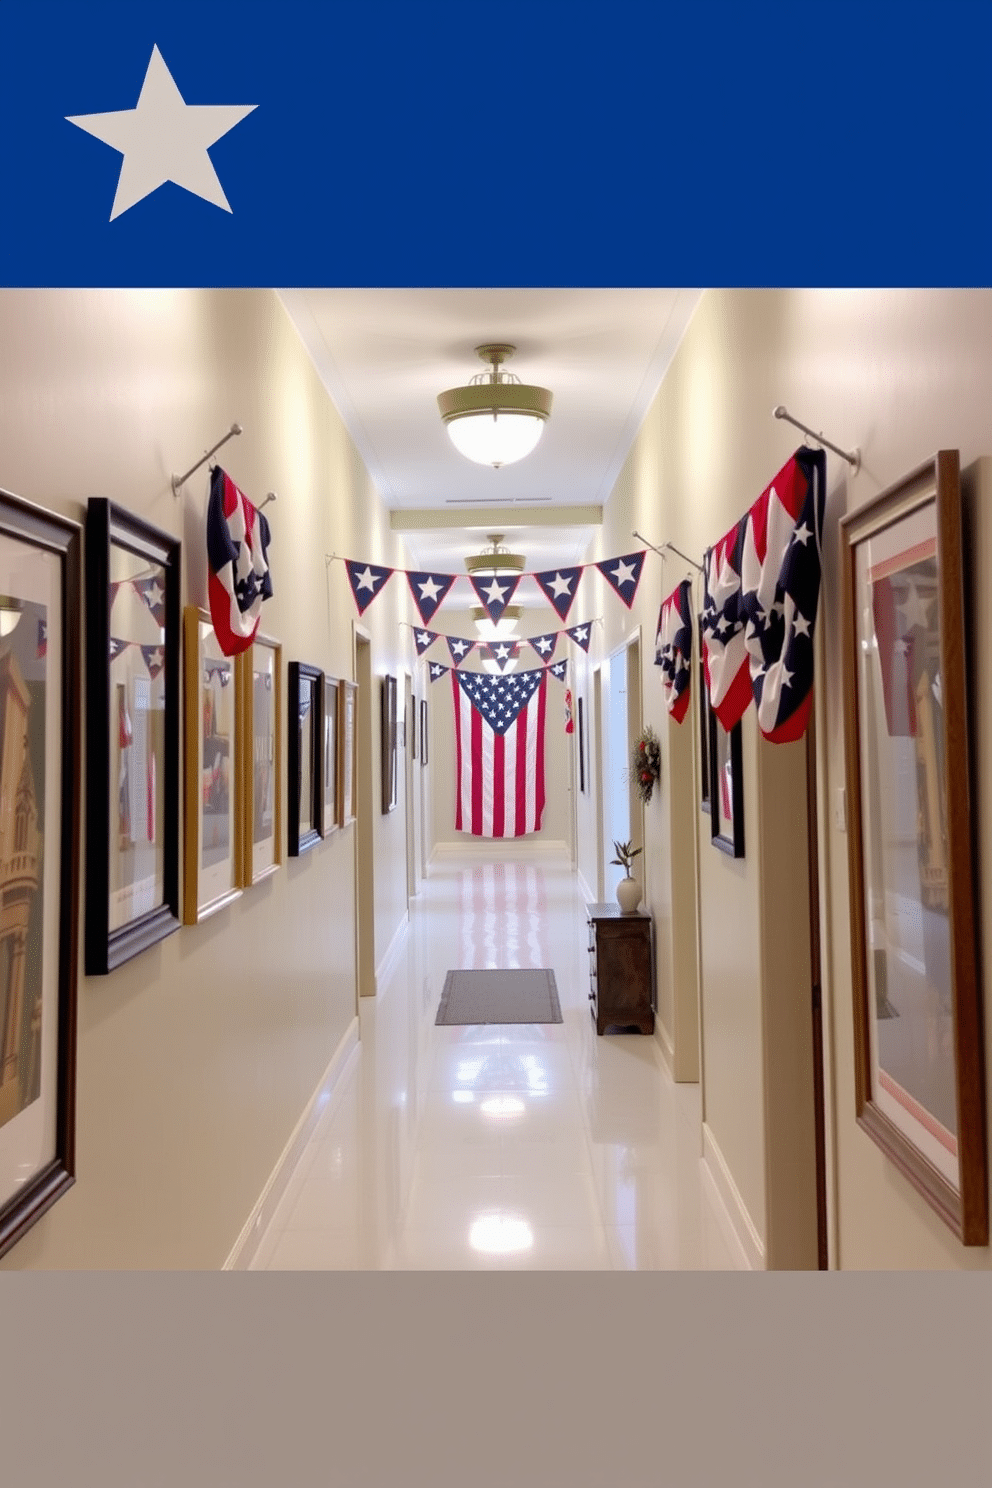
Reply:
x=623 y=573
x=914 y=609
x=154 y=595
x=560 y=586
x=501 y=652
x=800 y=624
x=367 y=579
x=429 y=590
x=544 y=645
x=459 y=647
x=801 y=534
x=164 y=139
x=423 y=639
x=494 y=593
x=582 y=633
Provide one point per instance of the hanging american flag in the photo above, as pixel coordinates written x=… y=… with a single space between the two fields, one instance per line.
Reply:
x=673 y=649
x=499 y=752
x=780 y=587
x=728 y=680
x=238 y=579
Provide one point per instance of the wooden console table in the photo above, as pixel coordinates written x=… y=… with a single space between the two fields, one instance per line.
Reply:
x=621 y=968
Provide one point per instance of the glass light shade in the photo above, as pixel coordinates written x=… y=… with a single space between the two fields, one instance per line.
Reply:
x=495 y=630
x=495 y=439
x=495 y=669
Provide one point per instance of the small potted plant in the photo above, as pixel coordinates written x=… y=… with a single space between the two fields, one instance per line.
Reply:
x=628 y=889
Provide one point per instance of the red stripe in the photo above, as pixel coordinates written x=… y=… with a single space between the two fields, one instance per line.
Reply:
x=456 y=690
x=542 y=696
x=499 y=783
x=522 y=726
x=476 y=767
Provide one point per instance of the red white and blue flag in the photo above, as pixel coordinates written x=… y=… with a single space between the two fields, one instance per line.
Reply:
x=238 y=580
x=780 y=588
x=422 y=639
x=728 y=679
x=624 y=574
x=459 y=648
x=366 y=580
x=673 y=649
x=499 y=752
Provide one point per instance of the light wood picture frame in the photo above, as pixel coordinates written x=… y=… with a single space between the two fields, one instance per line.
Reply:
x=213 y=812
x=261 y=733
x=919 y=1069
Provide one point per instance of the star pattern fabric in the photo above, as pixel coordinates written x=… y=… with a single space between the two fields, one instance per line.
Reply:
x=367 y=580
x=558 y=586
x=499 y=752
x=429 y=592
x=673 y=649
x=624 y=574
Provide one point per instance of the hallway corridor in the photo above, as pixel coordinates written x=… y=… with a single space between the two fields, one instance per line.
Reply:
x=533 y=1146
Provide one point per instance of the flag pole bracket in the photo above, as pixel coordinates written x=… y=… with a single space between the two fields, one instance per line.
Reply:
x=853 y=457
x=178 y=481
x=672 y=548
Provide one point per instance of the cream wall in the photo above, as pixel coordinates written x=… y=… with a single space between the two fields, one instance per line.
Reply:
x=556 y=821
x=196 y=1058
x=900 y=374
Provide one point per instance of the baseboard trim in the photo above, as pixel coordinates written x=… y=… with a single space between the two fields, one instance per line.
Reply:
x=666 y=1047
x=495 y=849
x=730 y=1207
x=246 y=1246
x=389 y=961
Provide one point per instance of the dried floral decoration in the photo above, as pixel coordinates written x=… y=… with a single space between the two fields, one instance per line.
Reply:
x=645 y=762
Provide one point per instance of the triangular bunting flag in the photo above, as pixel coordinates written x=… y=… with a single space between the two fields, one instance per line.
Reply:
x=117 y=646
x=673 y=649
x=559 y=670
x=501 y=652
x=624 y=574
x=366 y=580
x=422 y=639
x=437 y=670
x=429 y=592
x=545 y=645
x=42 y=639
x=154 y=659
x=459 y=649
x=559 y=586
x=152 y=592
x=495 y=593
x=580 y=634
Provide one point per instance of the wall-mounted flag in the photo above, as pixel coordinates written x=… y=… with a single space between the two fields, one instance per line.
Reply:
x=499 y=752
x=725 y=660
x=238 y=580
x=673 y=649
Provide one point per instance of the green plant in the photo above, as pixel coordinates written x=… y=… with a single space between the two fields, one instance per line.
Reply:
x=625 y=855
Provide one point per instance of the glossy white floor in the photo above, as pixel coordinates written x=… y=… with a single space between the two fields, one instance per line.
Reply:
x=496 y=1147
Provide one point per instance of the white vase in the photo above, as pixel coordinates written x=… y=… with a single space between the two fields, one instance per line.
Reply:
x=628 y=895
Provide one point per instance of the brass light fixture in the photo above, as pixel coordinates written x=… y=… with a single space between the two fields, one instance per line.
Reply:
x=496 y=560
x=495 y=419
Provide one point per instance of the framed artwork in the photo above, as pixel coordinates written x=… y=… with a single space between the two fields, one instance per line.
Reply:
x=330 y=768
x=213 y=820
x=704 y=731
x=40 y=600
x=347 y=751
x=726 y=787
x=423 y=731
x=132 y=736
x=413 y=729
x=305 y=756
x=261 y=710
x=390 y=773
x=919 y=1076
x=582 y=745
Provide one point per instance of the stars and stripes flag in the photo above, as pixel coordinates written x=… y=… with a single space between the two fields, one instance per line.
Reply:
x=780 y=588
x=238 y=579
x=673 y=649
x=499 y=752
x=904 y=607
x=728 y=679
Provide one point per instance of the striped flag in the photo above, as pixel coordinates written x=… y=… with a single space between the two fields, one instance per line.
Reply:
x=499 y=752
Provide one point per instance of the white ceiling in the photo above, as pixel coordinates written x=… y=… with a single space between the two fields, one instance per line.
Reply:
x=384 y=355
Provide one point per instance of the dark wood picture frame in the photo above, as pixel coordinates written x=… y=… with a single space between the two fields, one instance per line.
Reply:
x=109 y=526
x=901 y=561
x=390 y=772
x=423 y=731
x=704 y=730
x=726 y=829
x=41 y=1180
x=305 y=718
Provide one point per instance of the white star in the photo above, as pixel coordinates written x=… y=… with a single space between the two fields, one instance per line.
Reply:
x=787 y=677
x=501 y=652
x=800 y=624
x=154 y=595
x=494 y=594
x=914 y=609
x=582 y=633
x=459 y=647
x=423 y=639
x=801 y=534
x=544 y=645
x=429 y=590
x=367 y=580
x=164 y=139
x=623 y=573
x=560 y=586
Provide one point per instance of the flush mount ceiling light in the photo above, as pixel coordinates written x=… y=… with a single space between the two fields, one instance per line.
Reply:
x=496 y=419
x=496 y=560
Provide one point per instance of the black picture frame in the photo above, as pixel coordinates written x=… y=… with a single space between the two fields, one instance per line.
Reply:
x=726 y=757
x=423 y=731
x=42 y=1176
x=390 y=772
x=704 y=729
x=304 y=757
x=110 y=527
